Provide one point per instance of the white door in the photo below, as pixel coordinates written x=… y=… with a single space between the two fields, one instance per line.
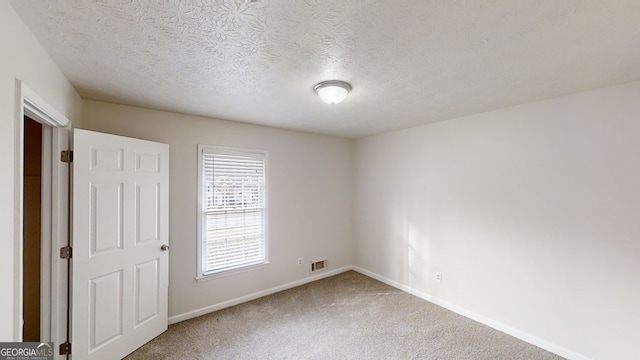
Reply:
x=120 y=224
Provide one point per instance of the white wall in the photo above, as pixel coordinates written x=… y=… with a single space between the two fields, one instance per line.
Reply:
x=531 y=214
x=23 y=58
x=309 y=198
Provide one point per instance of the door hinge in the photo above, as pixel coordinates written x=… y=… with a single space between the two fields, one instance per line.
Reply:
x=65 y=348
x=66 y=156
x=66 y=252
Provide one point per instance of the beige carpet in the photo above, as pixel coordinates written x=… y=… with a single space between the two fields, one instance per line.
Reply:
x=347 y=316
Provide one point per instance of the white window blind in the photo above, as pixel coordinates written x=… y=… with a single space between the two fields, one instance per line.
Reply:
x=233 y=209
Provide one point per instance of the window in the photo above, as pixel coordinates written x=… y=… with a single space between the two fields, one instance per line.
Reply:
x=232 y=211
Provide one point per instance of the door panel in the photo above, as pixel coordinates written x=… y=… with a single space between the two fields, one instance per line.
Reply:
x=147 y=292
x=105 y=302
x=147 y=212
x=106 y=217
x=120 y=221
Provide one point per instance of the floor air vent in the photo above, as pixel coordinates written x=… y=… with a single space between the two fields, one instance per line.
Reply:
x=319 y=265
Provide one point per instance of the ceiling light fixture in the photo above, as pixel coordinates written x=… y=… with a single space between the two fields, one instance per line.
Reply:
x=332 y=91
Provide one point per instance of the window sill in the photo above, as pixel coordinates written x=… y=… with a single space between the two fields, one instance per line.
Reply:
x=226 y=273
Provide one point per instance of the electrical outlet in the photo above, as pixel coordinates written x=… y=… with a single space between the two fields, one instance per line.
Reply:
x=438 y=277
x=299 y=261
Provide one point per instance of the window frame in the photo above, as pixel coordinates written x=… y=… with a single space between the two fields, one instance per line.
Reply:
x=201 y=211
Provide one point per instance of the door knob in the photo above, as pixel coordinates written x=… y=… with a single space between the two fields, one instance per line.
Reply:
x=164 y=247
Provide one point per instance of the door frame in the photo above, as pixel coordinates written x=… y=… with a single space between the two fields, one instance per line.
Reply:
x=55 y=205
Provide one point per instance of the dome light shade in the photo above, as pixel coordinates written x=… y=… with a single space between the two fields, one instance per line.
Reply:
x=332 y=91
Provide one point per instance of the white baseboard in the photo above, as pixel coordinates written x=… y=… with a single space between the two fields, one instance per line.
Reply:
x=556 y=349
x=215 y=307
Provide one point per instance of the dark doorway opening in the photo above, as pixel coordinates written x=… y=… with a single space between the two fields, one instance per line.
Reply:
x=32 y=229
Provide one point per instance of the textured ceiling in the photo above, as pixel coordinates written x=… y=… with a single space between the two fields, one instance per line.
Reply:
x=410 y=62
